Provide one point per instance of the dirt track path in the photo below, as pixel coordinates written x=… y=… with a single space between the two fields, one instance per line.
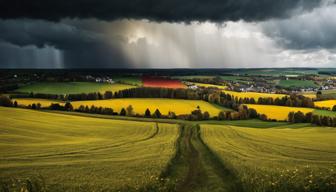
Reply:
x=195 y=172
x=203 y=170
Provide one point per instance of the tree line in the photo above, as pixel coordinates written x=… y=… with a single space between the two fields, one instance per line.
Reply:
x=141 y=92
x=300 y=117
x=292 y=100
x=215 y=80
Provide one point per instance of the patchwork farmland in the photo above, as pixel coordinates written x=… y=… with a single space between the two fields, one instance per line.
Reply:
x=146 y=132
x=127 y=155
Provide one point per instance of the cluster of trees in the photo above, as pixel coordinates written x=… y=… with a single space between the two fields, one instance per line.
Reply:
x=141 y=92
x=291 y=101
x=66 y=107
x=300 y=117
x=96 y=110
x=54 y=106
x=243 y=113
x=195 y=115
x=6 y=101
x=157 y=114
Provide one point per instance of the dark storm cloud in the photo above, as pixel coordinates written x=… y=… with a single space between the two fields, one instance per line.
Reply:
x=38 y=33
x=98 y=56
x=41 y=33
x=80 y=47
x=158 y=10
x=313 y=30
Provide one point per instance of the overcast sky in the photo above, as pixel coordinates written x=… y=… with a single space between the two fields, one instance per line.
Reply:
x=167 y=33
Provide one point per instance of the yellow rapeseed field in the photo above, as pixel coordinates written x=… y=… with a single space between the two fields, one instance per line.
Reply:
x=327 y=104
x=178 y=106
x=254 y=95
x=277 y=112
x=29 y=101
x=311 y=95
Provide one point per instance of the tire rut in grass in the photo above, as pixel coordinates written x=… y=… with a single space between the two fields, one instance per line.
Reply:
x=196 y=175
x=194 y=166
x=229 y=181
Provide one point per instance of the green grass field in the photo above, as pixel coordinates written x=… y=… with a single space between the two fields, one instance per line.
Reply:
x=72 y=87
x=325 y=113
x=73 y=153
x=284 y=158
x=130 y=80
x=297 y=84
x=328 y=94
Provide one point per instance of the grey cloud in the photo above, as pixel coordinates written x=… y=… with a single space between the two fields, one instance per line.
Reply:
x=41 y=33
x=80 y=47
x=313 y=30
x=12 y=56
x=142 y=44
